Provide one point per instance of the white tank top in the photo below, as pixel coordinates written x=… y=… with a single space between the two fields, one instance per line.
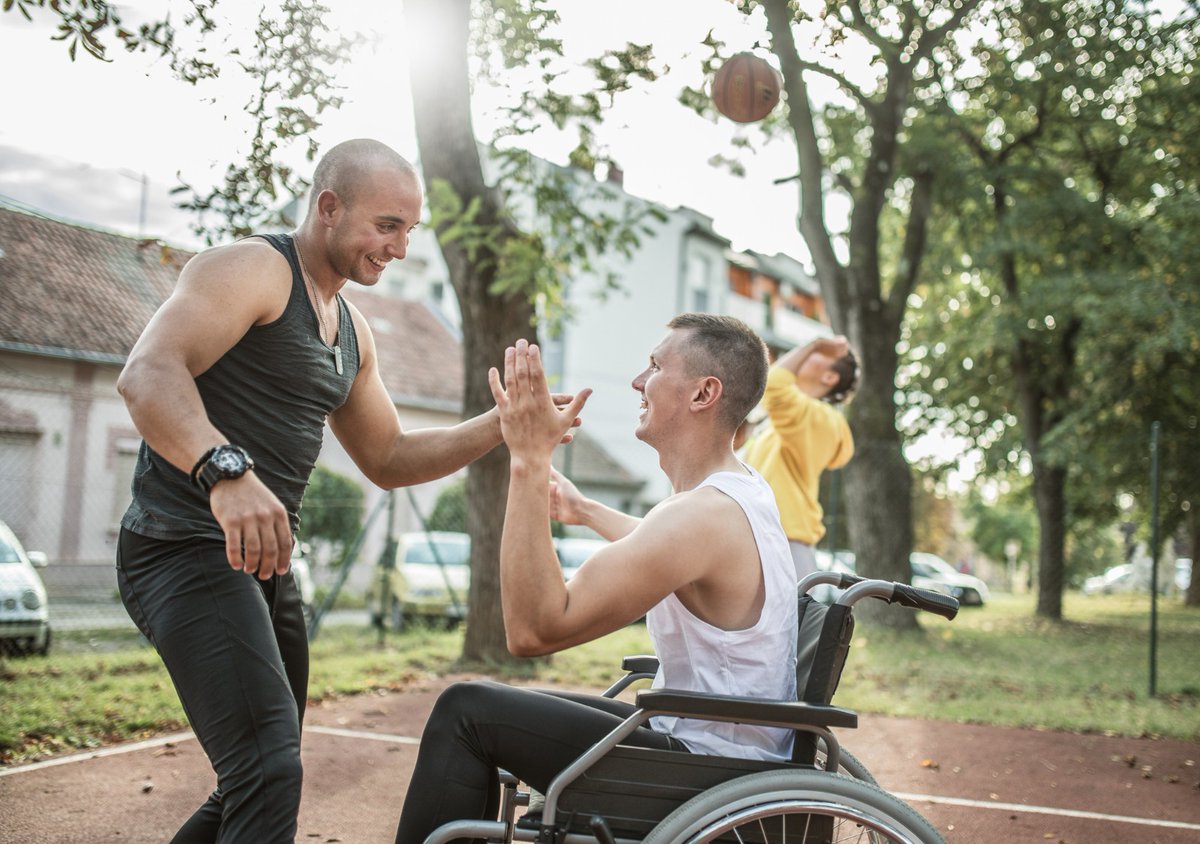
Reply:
x=758 y=661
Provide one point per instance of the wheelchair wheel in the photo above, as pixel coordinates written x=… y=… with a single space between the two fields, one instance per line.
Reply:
x=849 y=765
x=794 y=807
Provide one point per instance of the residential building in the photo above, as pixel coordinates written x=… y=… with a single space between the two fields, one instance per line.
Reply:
x=75 y=300
x=684 y=266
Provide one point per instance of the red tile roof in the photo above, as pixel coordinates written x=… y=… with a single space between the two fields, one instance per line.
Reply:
x=70 y=290
x=81 y=291
x=420 y=357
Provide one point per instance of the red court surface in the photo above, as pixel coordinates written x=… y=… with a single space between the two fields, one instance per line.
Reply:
x=978 y=785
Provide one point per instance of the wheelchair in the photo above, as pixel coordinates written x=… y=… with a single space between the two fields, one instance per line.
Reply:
x=618 y=794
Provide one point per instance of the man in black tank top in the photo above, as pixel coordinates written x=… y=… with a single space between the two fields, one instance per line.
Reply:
x=231 y=385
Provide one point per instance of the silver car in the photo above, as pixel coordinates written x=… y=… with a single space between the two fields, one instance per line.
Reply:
x=24 y=611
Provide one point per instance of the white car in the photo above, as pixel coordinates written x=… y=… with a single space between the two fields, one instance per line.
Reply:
x=841 y=561
x=1115 y=579
x=302 y=575
x=929 y=571
x=24 y=610
x=433 y=576
x=573 y=551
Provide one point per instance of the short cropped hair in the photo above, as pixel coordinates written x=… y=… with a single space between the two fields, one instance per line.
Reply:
x=728 y=349
x=346 y=167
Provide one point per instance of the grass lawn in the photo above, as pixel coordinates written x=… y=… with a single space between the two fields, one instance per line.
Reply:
x=995 y=665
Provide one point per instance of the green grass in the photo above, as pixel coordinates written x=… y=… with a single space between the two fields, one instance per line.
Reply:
x=995 y=665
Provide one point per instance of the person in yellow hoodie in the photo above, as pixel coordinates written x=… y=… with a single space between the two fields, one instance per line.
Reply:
x=805 y=434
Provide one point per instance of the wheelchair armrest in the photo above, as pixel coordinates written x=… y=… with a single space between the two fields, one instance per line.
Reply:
x=745 y=710
x=640 y=664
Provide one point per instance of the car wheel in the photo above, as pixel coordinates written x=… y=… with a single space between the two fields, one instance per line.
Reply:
x=45 y=648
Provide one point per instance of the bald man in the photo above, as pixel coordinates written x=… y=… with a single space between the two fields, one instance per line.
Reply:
x=230 y=386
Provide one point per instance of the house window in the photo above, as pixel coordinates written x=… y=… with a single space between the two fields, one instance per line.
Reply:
x=699 y=271
x=123 y=463
x=19 y=481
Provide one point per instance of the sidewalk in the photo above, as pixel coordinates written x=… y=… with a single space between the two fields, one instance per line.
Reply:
x=978 y=785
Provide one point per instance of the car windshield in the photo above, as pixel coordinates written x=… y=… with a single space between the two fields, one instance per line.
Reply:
x=572 y=555
x=927 y=565
x=447 y=552
x=8 y=554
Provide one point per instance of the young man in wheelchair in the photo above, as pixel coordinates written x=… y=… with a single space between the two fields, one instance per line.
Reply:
x=709 y=567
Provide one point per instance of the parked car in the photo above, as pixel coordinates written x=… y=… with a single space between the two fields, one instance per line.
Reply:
x=430 y=580
x=929 y=571
x=839 y=560
x=1183 y=573
x=303 y=577
x=1115 y=579
x=573 y=551
x=433 y=575
x=24 y=610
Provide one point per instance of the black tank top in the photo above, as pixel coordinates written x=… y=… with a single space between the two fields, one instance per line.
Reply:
x=270 y=394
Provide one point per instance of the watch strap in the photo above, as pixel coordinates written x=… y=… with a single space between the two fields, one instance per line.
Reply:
x=194 y=475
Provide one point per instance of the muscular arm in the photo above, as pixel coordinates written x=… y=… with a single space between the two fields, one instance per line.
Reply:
x=369 y=429
x=569 y=506
x=221 y=293
x=678 y=547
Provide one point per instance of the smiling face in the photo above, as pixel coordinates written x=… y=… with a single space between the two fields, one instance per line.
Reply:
x=371 y=225
x=666 y=387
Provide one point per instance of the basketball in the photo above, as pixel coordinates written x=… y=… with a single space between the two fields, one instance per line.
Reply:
x=746 y=88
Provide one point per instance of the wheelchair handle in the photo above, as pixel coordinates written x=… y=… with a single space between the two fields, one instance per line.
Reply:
x=903 y=594
x=838 y=579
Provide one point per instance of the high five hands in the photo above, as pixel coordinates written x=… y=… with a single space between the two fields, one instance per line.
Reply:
x=532 y=420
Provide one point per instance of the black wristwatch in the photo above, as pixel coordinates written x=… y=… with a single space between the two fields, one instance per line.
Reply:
x=224 y=462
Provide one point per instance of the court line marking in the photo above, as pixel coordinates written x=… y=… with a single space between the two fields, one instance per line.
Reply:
x=409 y=740
x=1042 y=810
x=361 y=734
x=97 y=754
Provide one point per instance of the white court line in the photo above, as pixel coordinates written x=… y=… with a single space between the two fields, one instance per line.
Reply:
x=96 y=754
x=395 y=739
x=337 y=731
x=1042 y=810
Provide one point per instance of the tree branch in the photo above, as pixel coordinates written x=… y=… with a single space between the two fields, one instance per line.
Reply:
x=860 y=20
x=932 y=37
x=843 y=83
x=812 y=194
x=919 y=212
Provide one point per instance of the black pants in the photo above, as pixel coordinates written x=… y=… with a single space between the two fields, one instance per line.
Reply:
x=477 y=727
x=237 y=651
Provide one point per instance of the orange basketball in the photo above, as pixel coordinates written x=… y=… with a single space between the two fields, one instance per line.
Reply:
x=746 y=88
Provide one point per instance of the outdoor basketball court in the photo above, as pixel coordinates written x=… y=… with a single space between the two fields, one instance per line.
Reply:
x=978 y=785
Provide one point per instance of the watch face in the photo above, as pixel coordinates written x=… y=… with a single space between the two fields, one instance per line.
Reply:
x=228 y=460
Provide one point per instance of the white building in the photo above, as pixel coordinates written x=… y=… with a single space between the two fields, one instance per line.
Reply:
x=685 y=266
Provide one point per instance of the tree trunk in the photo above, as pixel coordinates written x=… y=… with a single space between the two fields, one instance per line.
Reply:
x=1049 y=492
x=446 y=140
x=878 y=478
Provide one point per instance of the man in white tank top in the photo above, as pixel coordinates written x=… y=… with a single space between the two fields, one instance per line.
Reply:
x=709 y=566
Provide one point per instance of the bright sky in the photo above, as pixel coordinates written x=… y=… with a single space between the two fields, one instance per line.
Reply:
x=76 y=138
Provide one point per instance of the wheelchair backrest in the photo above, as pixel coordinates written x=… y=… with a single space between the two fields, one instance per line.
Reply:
x=821 y=648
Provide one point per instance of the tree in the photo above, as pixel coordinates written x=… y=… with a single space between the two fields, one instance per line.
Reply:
x=1049 y=231
x=450 y=510
x=507 y=272
x=333 y=511
x=856 y=149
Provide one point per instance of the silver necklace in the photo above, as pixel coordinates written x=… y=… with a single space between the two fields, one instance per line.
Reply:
x=337 y=346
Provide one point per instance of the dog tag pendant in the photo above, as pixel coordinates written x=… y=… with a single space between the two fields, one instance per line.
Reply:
x=337 y=359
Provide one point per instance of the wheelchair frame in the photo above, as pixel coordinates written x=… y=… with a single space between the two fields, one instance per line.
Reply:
x=704 y=797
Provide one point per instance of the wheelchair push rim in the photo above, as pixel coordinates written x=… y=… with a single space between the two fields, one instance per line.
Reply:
x=774 y=807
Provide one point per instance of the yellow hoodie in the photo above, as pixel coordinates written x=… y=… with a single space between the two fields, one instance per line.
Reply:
x=805 y=437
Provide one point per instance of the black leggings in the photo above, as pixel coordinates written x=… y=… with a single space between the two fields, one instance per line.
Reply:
x=477 y=727
x=236 y=648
